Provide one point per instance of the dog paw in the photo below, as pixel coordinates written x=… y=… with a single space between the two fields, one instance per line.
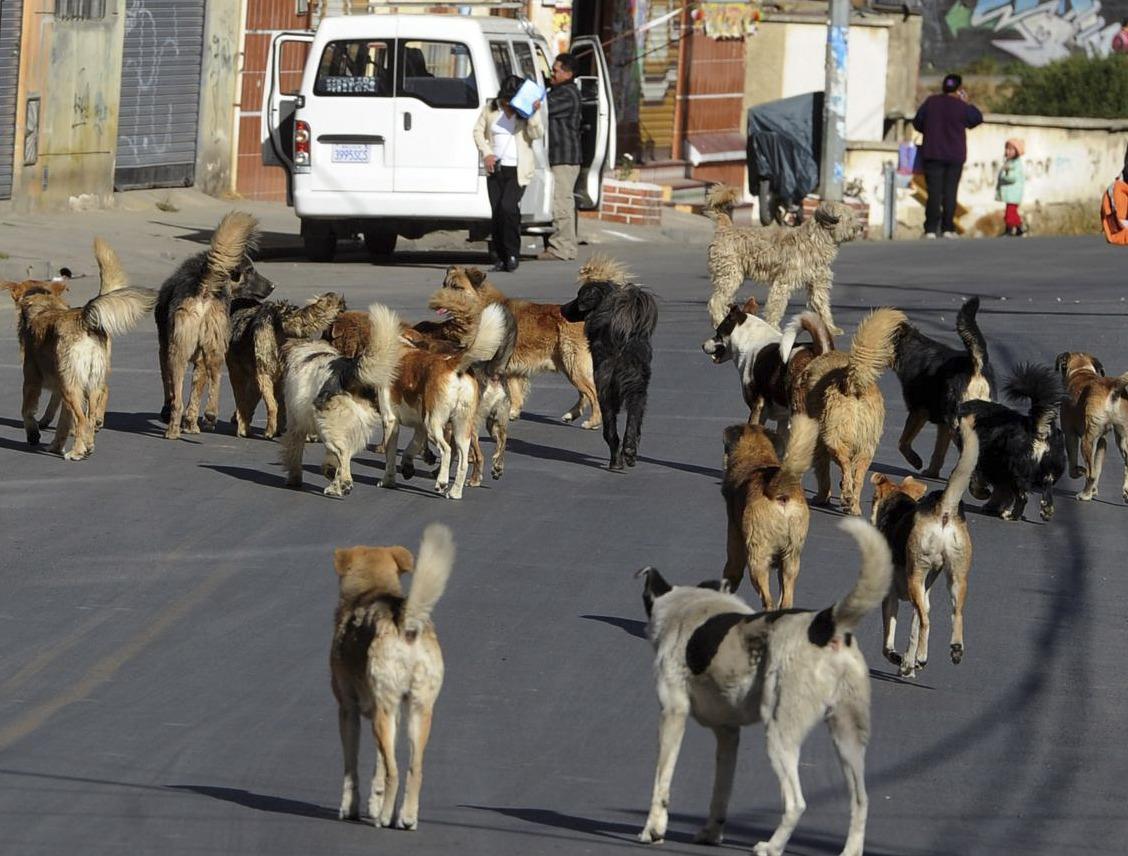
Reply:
x=294 y=482
x=33 y=438
x=893 y=657
x=630 y=457
x=407 y=470
x=1086 y=495
x=388 y=482
x=1124 y=494
x=72 y=455
x=209 y=422
x=172 y=433
x=1047 y=510
x=348 y=812
x=906 y=670
x=190 y=426
x=514 y=415
x=338 y=489
x=454 y=493
x=616 y=465
x=765 y=848
x=589 y=425
x=930 y=473
x=408 y=823
x=913 y=458
x=710 y=833
x=1077 y=472
x=384 y=819
x=567 y=417
x=651 y=836
x=166 y=413
x=99 y=425
x=957 y=652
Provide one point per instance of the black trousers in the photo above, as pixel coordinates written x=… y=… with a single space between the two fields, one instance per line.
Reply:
x=505 y=201
x=942 y=180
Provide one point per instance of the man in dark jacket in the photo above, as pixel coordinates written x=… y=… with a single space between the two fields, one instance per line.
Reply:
x=564 y=156
x=944 y=120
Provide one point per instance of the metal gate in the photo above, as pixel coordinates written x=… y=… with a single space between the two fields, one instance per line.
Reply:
x=159 y=116
x=11 y=17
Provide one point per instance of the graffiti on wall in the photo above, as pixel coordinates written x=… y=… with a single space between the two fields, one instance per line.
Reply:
x=1036 y=32
x=141 y=72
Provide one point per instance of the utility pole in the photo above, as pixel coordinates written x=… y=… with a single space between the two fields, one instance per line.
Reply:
x=832 y=165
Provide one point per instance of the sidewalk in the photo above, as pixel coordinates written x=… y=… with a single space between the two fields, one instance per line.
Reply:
x=154 y=229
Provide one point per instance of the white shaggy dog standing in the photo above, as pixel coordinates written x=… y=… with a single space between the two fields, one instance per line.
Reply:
x=784 y=258
x=731 y=667
x=336 y=398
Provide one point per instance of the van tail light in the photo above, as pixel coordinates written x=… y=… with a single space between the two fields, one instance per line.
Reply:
x=301 y=144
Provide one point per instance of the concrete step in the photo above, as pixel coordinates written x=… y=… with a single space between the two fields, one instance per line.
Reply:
x=659 y=172
x=685 y=191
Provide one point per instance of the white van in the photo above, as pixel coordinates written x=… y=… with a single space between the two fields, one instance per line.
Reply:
x=378 y=138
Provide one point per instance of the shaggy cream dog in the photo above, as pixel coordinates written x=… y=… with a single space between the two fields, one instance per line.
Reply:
x=785 y=258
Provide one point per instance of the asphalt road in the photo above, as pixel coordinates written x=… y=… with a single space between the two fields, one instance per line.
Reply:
x=166 y=609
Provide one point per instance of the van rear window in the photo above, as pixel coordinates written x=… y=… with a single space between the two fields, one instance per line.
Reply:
x=440 y=74
x=355 y=67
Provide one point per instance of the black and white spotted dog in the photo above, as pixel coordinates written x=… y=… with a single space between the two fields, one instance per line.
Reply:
x=731 y=667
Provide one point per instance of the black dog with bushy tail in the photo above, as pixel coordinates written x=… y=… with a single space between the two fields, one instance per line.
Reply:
x=619 y=320
x=1019 y=452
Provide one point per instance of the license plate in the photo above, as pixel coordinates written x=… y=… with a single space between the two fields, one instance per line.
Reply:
x=350 y=153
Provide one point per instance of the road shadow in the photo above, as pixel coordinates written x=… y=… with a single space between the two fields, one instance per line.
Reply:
x=552 y=453
x=260 y=477
x=261 y=802
x=632 y=626
x=889 y=678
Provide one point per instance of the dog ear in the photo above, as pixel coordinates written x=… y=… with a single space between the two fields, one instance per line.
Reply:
x=914 y=488
x=737 y=313
x=1062 y=362
x=58 y=288
x=1099 y=367
x=824 y=218
x=342 y=558
x=405 y=561
x=751 y=307
x=879 y=478
x=476 y=276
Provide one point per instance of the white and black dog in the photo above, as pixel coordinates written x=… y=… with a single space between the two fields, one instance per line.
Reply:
x=731 y=667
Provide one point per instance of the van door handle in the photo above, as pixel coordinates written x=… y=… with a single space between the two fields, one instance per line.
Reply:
x=407 y=121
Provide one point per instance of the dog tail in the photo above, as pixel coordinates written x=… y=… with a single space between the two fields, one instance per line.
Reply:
x=1120 y=390
x=378 y=363
x=965 y=466
x=118 y=311
x=236 y=234
x=313 y=318
x=872 y=349
x=490 y=337
x=816 y=329
x=1043 y=387
x=110 y=272
x=635 y=314
x=601 y=268
x=719 y=203
x=971 y=336
x=874 y=579
x=433 y=565
x=800 y=452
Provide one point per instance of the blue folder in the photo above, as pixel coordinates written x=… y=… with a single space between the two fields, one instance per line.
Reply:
x=529 y=93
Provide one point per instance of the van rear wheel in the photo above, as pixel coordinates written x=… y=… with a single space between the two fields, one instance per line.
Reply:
x=320 y=240
x=380 y=242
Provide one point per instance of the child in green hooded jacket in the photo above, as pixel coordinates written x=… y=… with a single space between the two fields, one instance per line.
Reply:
x=1008 y=188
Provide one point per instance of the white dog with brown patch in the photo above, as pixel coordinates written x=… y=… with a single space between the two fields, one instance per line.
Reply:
x=729 y=667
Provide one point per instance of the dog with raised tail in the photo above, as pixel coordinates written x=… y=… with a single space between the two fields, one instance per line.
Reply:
x=337 y=399
x=1094 y=404
x=766 y=507
x=432 y=390
x=783 y=258
x=193 y=324
x=67 y=351
x=1019 y=452
x=936 y=380
x=928 y=537
x=728 y=667
x=385 y=658
x=839 y=389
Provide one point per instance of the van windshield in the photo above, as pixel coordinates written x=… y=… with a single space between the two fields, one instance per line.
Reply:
x=355 y=67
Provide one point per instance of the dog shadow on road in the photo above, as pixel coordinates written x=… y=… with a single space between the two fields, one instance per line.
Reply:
x=632 y=626
x=261 y=802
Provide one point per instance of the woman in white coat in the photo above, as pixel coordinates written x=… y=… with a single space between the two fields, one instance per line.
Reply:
x=505 y=141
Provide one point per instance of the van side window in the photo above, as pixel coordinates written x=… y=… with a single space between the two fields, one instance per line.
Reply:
x=501 y=59
x=544 y=63
x=525 y=60
x=440 y=74
x=355 y=67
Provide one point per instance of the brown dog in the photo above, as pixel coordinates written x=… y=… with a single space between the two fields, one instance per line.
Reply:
x=928 y=537
x=386 y=656
x=1095 y=404
x=767 y=510
x=839 y=389
x=67 y=351
x=254 y=355
x=545 y=342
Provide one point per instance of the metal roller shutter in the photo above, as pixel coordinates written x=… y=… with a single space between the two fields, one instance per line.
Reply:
x=160 y=93
x=11 y=17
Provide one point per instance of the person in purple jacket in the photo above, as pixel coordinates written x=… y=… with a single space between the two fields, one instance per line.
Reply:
x=944 y=120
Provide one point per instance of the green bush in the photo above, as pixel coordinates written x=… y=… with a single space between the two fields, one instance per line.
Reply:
x=1078 y=86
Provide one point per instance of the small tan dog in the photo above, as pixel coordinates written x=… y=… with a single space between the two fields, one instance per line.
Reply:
x=928 y=537
x=386 y=657
x=839 y=389
x=545 y=342
x=767 y=510
x=1095 y=404
x=783 y=258
x=67 y=351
